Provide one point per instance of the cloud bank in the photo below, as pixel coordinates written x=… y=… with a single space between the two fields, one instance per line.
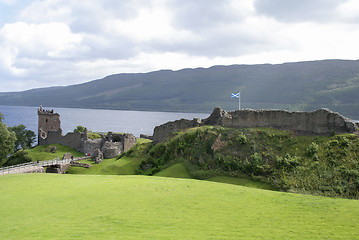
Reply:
x=52 y=42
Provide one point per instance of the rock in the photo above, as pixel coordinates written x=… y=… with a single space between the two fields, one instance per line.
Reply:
x=67 y=156
x=97 y=156
x=78 y=164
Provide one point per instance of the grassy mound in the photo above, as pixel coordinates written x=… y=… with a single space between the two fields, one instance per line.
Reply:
x=317 y=165
x=51 y=206
x=177 y=170
x=43 y=152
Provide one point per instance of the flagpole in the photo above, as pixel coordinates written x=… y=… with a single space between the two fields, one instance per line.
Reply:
x=239 y=101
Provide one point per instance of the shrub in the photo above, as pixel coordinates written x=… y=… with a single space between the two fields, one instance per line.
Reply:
x=288 y=162
x=312 y=150
x=17 y=158
x=79 y=129
x=241 y=139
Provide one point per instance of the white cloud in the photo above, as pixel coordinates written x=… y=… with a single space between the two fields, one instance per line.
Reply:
x=349 y=10
x=39 y=40
x=61 y=42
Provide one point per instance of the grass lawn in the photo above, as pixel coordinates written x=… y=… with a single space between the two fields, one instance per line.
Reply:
x=55 y=206
x=242 y=181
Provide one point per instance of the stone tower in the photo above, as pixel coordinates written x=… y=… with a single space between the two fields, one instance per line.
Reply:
x=48 y=122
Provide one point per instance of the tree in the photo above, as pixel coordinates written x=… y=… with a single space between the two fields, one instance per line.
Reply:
x=7 y=140
x=79 y=129
x=24 y=138
x=18 y=157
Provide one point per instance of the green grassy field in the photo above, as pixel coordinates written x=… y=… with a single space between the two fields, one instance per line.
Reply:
x=242 y=181
x=54 y=206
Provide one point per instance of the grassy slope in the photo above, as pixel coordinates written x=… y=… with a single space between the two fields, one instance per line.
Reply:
x=43 y=152
x=123 y=166
x=177 y=170
x=242 y=181
x=113 y=166
x=51 y=206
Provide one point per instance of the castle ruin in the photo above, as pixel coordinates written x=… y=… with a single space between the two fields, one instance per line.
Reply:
x=320 y=122
x=50 y=132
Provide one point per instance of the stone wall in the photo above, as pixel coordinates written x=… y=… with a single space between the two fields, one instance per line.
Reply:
x=111 y=144
x=162 y=131
x=320 y=122
x=128 y=141
x=91 y=145
x=74 y=140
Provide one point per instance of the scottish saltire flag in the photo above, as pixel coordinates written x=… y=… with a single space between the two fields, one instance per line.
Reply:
x=235 y=95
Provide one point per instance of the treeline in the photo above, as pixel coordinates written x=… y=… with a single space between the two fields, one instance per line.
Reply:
x=13 y=141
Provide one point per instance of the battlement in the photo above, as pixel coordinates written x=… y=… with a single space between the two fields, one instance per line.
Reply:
x=41 y=111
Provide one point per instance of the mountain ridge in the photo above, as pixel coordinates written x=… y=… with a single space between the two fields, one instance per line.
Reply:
x=294 y=86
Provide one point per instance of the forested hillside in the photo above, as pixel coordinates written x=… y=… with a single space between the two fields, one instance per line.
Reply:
x=332 y=84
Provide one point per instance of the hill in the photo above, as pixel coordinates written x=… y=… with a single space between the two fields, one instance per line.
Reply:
x=320 y=165
x=308 y=86
x=51 y=206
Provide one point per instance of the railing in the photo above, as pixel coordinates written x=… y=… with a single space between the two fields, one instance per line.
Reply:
x=32 y=166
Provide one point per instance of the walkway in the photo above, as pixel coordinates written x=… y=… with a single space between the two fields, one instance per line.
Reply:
x=32 y=167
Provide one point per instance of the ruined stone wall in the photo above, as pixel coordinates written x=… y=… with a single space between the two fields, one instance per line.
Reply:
x=111 y=149
x=320 y=122
x=50 y=132
x=111 y=144
x=91 y=145
x=75 y=140
x=162 y=131
x=128 y=141
x=52 y=137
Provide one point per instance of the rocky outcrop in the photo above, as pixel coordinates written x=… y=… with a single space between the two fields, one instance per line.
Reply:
x=320 y=122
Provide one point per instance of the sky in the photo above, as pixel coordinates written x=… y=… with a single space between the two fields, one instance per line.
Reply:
x=47 y=43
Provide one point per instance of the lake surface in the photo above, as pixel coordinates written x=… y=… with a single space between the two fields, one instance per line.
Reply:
x=96 y=120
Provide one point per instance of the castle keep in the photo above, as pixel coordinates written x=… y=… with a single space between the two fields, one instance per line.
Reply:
x=50 y=132
x=48 y=121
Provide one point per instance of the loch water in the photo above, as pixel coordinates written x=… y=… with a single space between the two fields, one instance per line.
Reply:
x=96 y=120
